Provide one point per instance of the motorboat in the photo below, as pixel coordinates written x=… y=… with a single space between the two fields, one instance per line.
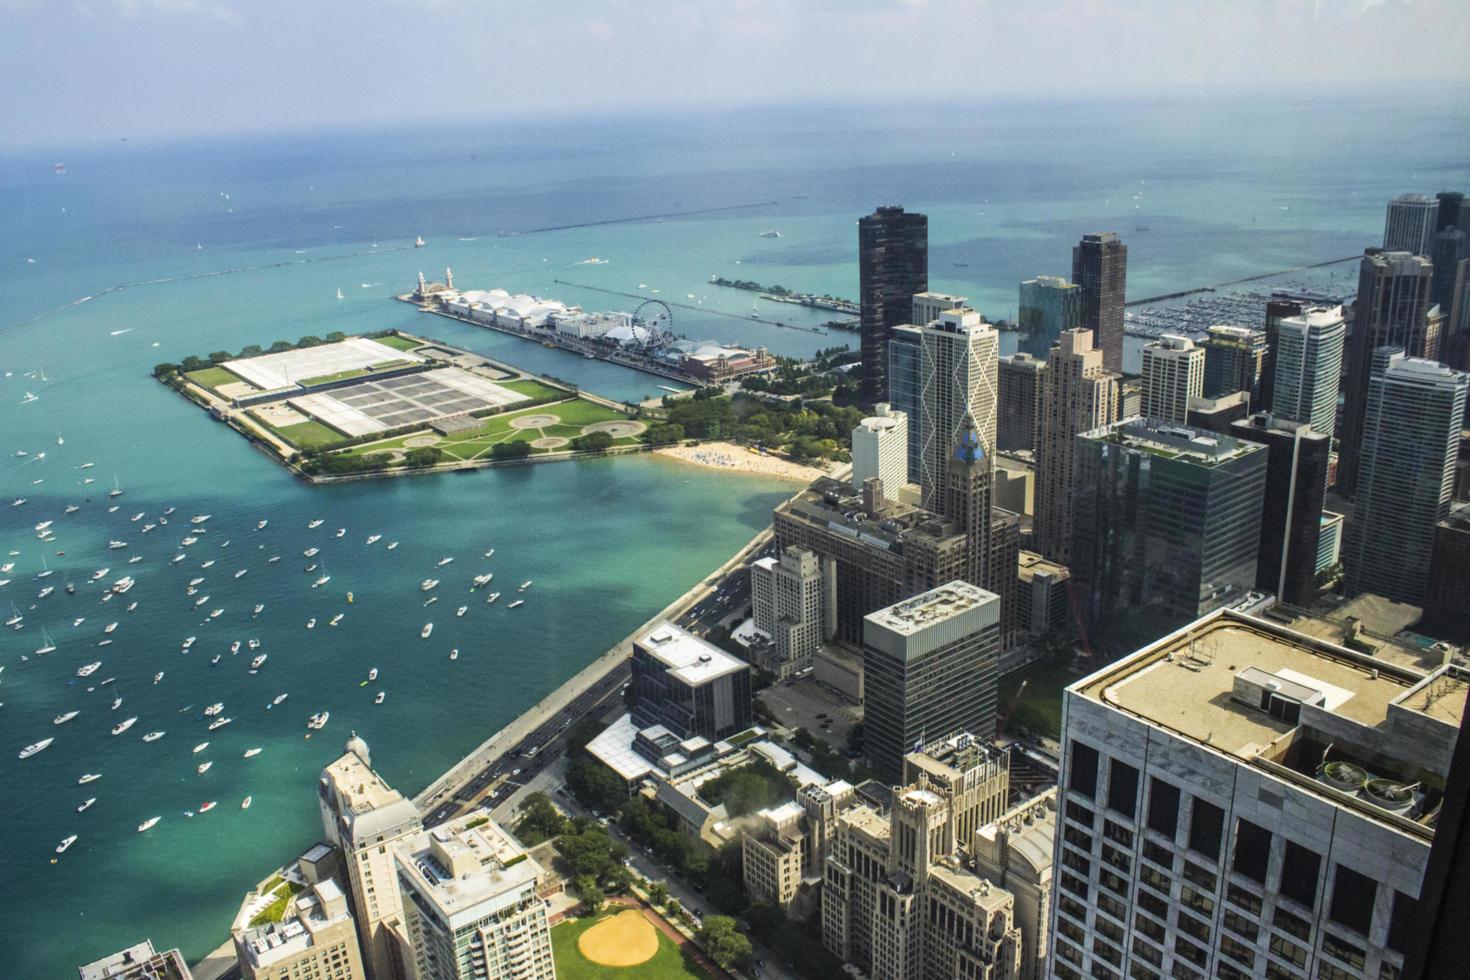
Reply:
x=311 y=552
x=444 y=561
x=279 y=698
x=200 y=747
x=428 y=584
x=203 y=767
x=190 y=640
x=148 y=824
x=516 y=604
x=116 y=703
x=319 y=720
x=313 y=525
x=374 y=538
x=341 y=531
x=490 y=599
x=158 y=677
x=65 y=843
x=123 y=726
x=62 y=719
x=311 y=623
x=234 y=648
x=35 y=747
x=483 y=580
x=82 y=806
x=206 y=807
x=219 y=723
x=260 y=525
x=253 y=644
x=214 y=709
x=524 y=586
x=89 y=777
x=380 y=697
x=454 y=654
x=336 y=619
x=428 y=628
x=392 y=545
x=123 y=584
x=252 y=753
x=87 y=670
x=373 y=674
x=259 y=608
x=245 y=803
x=153 y=736
x=257 y=662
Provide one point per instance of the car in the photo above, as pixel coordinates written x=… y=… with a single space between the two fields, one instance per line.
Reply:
x=515 y=772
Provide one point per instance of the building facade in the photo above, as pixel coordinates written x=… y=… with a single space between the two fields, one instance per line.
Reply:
x=773 y=855
x=315 y=939
x=1077 y=395
x=1446 y=611
x=138 y=962
x=690 y=687
x=1016 y=852
x=1238 y=800
x=1100 y=268
x=1411 y=435
x=905 y=389
x=929 y=671
x=959 y=364
x=928 y=307
x=880 y=449
x=1173 y=373
x=893 y=265
x=1297 y=458
x=1308 y=367
x=1410 y=224
x=1048 y=305
x=1018 y=389
x=789 y=605
x=1233 y=360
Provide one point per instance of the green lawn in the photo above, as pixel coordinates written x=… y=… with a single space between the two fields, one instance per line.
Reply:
x=212 y=377
x=399 y=343
x=353 y=373
x=276 y=909
x=668 y=964
x=475 y=443
x=533 y=389
x=1040 y=707
x=309 y=435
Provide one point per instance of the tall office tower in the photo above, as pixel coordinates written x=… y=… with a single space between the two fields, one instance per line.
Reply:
x=927 y=307
x=362 y=816
x=472 y=910
x=1233 y=358
x=1100 y=267
x=1173 y=373
x=1448 y=247
x=138 y=962
x=893 y=265
x=1309 y=348
x=1446 y=611
x=1278 y=308
x=1456 y=346
x=958 y=369
x=905 y=389
x=1077 y=395
x=1015 y=852
x=1291 y=520
x=1242 y=800
x=314 y=938
x=880 y=449
x=929 y=671
x=898 y=899
x=1411 y=437
x=1392 y=309
x=1018 y=390
x=1166 y=522
x=1452 y=212
x=787 y=603
x=1412 y=221
x=687 y=685
x=1049 y=305
x=992 y=537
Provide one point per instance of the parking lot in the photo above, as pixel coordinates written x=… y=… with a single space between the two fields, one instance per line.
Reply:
x=807 y=704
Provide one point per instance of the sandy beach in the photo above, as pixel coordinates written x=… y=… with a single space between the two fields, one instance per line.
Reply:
x=728 y=456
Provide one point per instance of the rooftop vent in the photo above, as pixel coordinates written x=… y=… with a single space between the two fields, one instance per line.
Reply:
x=1343 y=776
x=1389 y=794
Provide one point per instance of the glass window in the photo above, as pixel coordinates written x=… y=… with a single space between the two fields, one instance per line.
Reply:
x=1401 y=921
x=1083 y=775
x=1340 y=948
x=1252 y=851
x=1299 y=872
x=1240 y=925
x=1352 y=899
x=1163 y=807
x=1243 y=899
x=1206 y=824
x=1122 y=788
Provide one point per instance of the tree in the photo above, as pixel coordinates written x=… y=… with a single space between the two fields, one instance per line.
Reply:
x=592 y=896
x=192 y=363
x=663 y=435
x=281 y=346
x=590 y=851
x=593 y=442
x=675 y=907
x=309 y=341
x=722 y=940
x=747 y=789
x=336 y=337
x=251 y=350
x=165 y=369
x=517 y=449
x=540 y=820
x=595 y=784
x=220 y=356
x=422 y=457
x=658 y=893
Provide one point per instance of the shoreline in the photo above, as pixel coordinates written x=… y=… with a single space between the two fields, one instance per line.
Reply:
x=719 y=455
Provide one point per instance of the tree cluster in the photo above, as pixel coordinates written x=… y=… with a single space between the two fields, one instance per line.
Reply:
x=747 y=789
x=811 y=430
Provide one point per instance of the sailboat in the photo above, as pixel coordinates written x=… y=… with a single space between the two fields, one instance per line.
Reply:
x=339 y=294
x=419 y=242
x=116 y=490
x=47 y=647
x=59 y=441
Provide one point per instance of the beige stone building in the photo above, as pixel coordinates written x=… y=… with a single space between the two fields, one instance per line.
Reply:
x=315 y=940
x=1015 y=852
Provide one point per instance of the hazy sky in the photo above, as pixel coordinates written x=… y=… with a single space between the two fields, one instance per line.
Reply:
x=79 y=69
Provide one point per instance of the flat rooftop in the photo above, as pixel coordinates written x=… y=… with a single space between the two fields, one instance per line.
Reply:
x=1030 y=564
x=467 y=872
x=690 y=659
x=930 y=608
x=838 y=507
x=1185 y=682
x=358 y=786
x=1174 y=441
x=275 y=371
x=138 y=962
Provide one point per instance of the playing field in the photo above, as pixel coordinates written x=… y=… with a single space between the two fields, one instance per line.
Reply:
x=212 y=378
x=546 y=427
x=399 y=343
x=574 y=963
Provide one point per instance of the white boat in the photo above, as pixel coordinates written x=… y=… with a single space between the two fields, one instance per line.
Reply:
x=35 y=747
x=86 y=466
x=374 y=538
x=89 y=777
x=428 y=584
x=483 y=580
x=524 y=586
x=273 y=559
x=135 y=559
x=341 y=531
x=116 y=490
x=158 y=677
x=82 y=806
x=71 y=509
x=200 y=747
x=116 y=703
x=454 y=654
x=279 y=698
x=46 y=647
x=190 y=641
x=490 y=553
x=252 y=753
x=517 y=603
x=234 y=648
x=260 y=526
x=214 y=709
x=431 y=600
x=253 y=644
x=245 y=803
x=215 y=613
x=259 y=607
x=318 y=720
x=116 y=545
x=310 y=552
x=100 y=574
x=461 y=610
x=392 y=545
x=89 y=669
x=380 y=697
x=219 y=723
x=123 y=726
x=444 y=561
x=257 y=662
x=176 y=559
x=136 y=517
x=203 y=767
x=311 y=623
x=109 y=627
x=62 y=719
x=189 y=542
x=335 y=619
x=199 y=518
x=314 y=524
x=206 y=807
x=153 y=736
x=339 y=294
x=207 y=564
x=17 y=501
x=45 y=592
x=65 y=843
x=43 y=525
x=123 y=584
x=373 y=674
x=419 y=242
x=148 y=824
x=428 y=628
x=492 y=597
x=241 y=573
x=321 y=581
x=132 y=605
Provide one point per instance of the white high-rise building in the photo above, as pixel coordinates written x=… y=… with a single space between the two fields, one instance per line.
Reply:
x=929 y=306
x=363 y=817
x=471 y=908
x=1411 y=223
x=787 y=603
x=958 y=374
x=1173 y=373
x=880 y=449
x=1239 y=800
x=1309 y=352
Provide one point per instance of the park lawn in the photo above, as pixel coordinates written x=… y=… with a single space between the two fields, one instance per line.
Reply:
x=399 y=343
x=361 y=372
x=667 y=964
x=277 y=908
x=1040 y=708
x=310 y=435
x=533 y=389
x=213 y=377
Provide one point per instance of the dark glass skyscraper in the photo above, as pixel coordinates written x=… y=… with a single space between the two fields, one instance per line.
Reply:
x=1100 y=267
x=1291 y=521
x=893 y=265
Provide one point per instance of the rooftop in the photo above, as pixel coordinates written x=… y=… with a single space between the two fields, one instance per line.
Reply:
x=927 y=609
x=1030 y=828
x=138 y=962
x=838 y=507
x=324 y=907
x=1173 y=441
x=688 y=658
x=1030 y=564
x=467 y=872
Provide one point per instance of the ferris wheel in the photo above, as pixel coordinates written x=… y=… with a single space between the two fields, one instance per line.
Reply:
x=653 y=322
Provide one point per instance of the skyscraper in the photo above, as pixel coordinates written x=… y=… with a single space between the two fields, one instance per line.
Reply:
x=1018 y=389
x=1446 y=612
x=905 y=390
x=1077 y=395
x=1048 y=305
x=1173 y=373
x=992 y=536
x=893 y=265
x=1291 y=520
x=1392 y=309
x=1100 y=267
x=363 y=817
x=314 y=938
x=1277 y=309
x=928 y=306
x=1412 y=220
x=958 y=373
x=1309 y=348
x=1411 y=435
x=787 y=604
x=1233 y=359
x=880 y=449
x=1166 y=523
x=1446 y=249
x=929 y=671
x=1241 y=800
x=691 y=687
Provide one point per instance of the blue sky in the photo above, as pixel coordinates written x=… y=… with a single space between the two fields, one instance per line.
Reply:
x=76 y=70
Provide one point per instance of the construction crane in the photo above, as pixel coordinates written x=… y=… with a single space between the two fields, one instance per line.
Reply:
x=1081 y=627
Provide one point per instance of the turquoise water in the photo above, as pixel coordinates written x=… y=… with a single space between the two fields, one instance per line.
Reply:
x=606 y=542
